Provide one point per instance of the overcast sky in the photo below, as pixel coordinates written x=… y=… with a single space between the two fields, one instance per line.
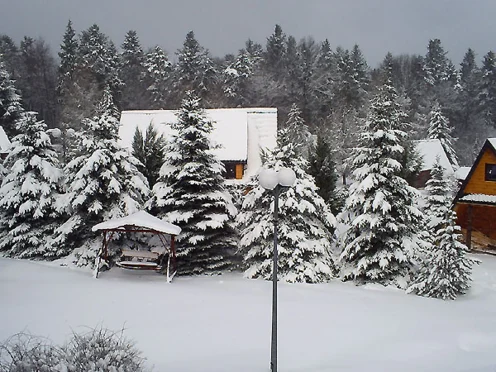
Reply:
x=222 y=26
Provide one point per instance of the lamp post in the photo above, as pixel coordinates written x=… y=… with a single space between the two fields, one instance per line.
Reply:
x=277 y=182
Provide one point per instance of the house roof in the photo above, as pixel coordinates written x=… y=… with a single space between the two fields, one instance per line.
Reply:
x=139 y=219
x=4 y=142
x=431 y=149
x=462 y=173
x=490 y=144
x=230 y=128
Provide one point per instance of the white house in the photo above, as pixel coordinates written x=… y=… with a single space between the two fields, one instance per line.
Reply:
x=4 y=143
x=430 y=150
x=241 y=134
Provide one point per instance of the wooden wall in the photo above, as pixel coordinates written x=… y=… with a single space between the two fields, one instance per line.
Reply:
x=477 y=183
x=483 y=218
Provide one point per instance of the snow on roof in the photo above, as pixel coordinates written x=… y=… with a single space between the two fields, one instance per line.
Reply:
x=139 y=219
x=230 y=128
x=4 y=141
x=480 y=198
x=492 y=141
x=429 y=150
x=462 y=173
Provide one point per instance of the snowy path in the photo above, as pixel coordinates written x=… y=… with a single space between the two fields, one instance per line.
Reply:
x=222 y=324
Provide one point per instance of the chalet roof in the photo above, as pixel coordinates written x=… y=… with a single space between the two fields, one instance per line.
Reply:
x=461 y=173
x=230 y=129
x=139 y=219
x=4 y=141
x=476 y=198
x=431 y=149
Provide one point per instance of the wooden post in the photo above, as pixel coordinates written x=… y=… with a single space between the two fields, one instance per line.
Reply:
x=469 y=227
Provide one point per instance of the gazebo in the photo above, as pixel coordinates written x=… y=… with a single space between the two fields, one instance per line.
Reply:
x=140 y=222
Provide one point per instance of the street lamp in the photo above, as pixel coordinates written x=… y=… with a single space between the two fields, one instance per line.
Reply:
x=277 y=182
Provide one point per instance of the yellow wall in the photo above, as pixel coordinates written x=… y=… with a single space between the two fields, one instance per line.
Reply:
x=477 y=183
x=239 y=171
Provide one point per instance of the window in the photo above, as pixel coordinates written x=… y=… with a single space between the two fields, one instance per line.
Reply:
x=233 y=170
x=490 y=172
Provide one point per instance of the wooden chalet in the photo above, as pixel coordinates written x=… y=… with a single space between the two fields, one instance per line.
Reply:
x=239 y=134
x=475 y=203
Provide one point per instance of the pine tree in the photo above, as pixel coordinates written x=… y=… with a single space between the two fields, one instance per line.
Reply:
x=237 y=77
x=298 y=131
x=68 y=58
x=132 y=73
x=323 y=170
x=10 y=102
x=150 y=151
x=436 y=63
x=98 y=54
x=191 y=193
x=157 y=76
x=324 y=83
x=487 y=96
x=305 y=224
x=440 y=129
x=275 y=53
x=30 y=191
x=445 y=272
x=195 y=69
x=379 y=243
x=102 y=180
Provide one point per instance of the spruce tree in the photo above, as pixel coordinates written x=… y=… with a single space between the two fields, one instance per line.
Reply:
x=384 y=221
x=275 y=53
x=10 y=102
x=323 y=169
x=158 y=70
x=487 y=95
x=102 y=181
x=195 y=69
x=150 y=151
x=237 y=77
x=191 y=193
x=132 y=73
x=30 y=191
x=68 y=58
x=440 y=129
x=445 y=271
x=305 y=224
x=298 y=131
x=435 y=64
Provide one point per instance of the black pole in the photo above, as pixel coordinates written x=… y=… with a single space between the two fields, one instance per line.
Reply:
x=273 y=348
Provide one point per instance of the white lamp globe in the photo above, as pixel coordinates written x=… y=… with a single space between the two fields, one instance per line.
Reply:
x=286 y=177
x=268 y=179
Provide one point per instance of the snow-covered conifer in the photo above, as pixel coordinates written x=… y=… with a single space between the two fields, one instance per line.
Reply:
x=102 y=180
x=132 y=73
x=30 y=191
x=380 y=241
x=323 y=168
x=191 y=193
x=150 y=151
x=446 y=271
x=298 y=131
x=305 y=223
x=158 y=71
x=438 y=197
x=440 y=129
x=10 y=102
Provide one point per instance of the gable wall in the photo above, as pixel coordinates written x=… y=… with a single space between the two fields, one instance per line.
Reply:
x=477 y=183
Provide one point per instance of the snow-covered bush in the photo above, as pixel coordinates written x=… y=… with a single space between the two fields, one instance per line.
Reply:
x=99 y=350
x=27 y=353
x=102 y=350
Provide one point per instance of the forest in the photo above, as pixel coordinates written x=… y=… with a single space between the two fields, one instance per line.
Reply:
x=332 y=85
x=338 y=118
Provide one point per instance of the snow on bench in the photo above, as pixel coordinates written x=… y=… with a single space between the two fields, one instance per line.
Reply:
x=139 y=254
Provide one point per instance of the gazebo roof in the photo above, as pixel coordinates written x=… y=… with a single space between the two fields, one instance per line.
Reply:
x=139 y=219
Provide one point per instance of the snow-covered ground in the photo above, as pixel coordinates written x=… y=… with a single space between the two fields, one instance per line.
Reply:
x=222 y=323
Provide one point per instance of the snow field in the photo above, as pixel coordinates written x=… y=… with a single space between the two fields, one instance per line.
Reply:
x=222 y=323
